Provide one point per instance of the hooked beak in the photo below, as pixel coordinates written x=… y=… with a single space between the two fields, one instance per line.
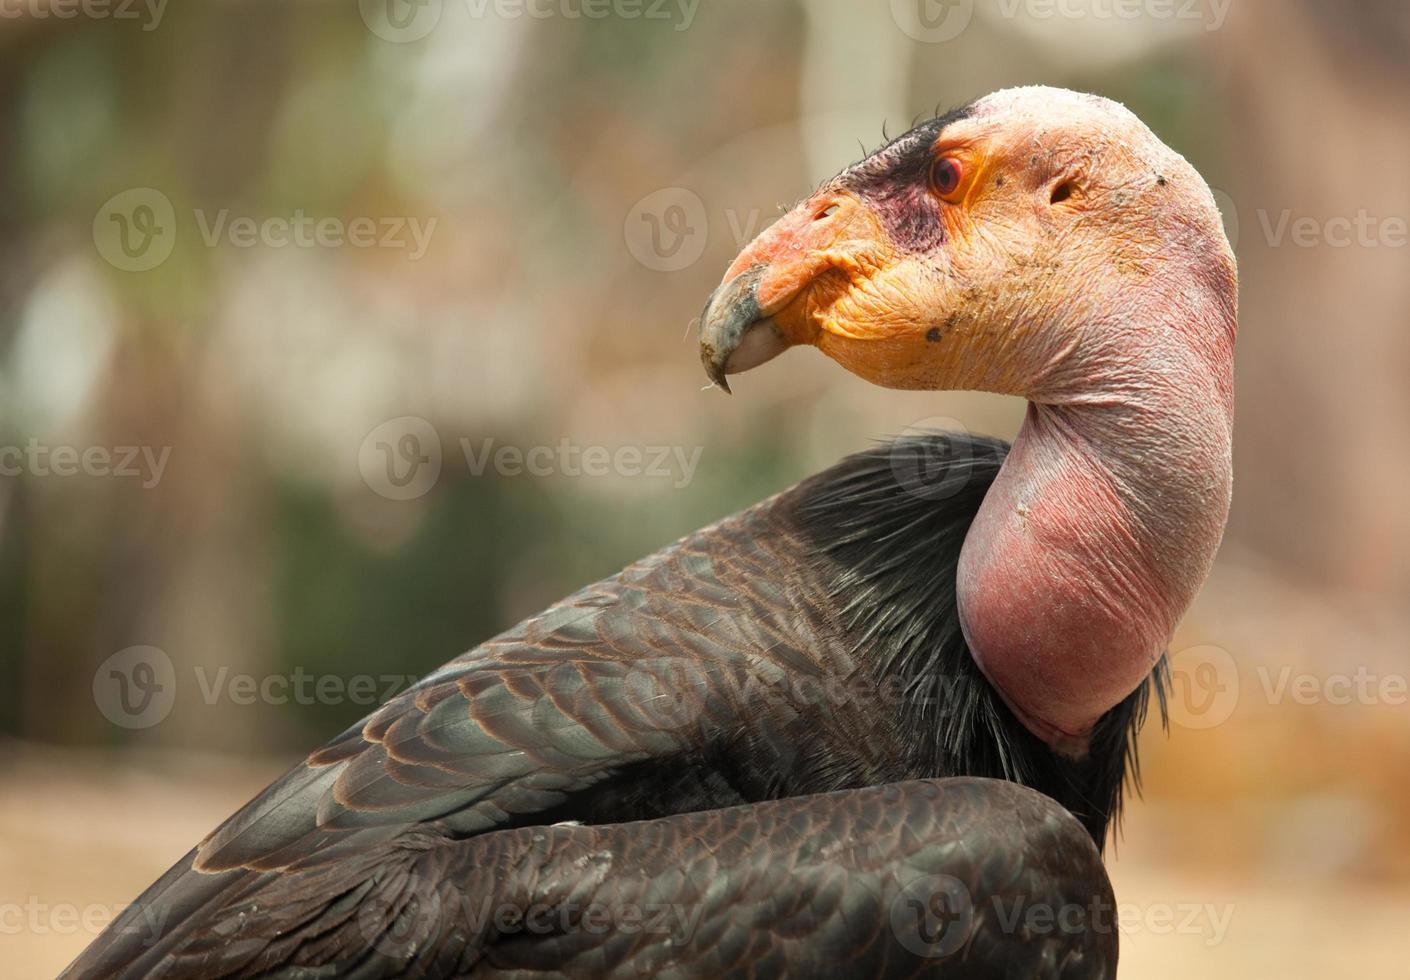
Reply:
x=761 y=308
x=734 y=334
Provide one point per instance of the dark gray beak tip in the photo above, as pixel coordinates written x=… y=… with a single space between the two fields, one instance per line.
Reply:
x=733 y=308
x=715 y=366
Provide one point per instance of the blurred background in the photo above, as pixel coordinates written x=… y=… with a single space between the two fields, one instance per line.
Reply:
x=337 y=337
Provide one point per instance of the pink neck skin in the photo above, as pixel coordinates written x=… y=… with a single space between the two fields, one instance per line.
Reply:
x=1104 y=520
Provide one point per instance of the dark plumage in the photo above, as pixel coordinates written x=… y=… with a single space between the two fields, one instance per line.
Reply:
x=808 y=645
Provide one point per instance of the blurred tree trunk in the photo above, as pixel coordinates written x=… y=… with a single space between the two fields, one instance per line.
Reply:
x=1324 y=409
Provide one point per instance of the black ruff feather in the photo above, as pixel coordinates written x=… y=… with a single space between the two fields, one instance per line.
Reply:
x=888 y=525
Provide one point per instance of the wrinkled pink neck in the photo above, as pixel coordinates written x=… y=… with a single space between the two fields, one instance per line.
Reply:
x=1102 y=523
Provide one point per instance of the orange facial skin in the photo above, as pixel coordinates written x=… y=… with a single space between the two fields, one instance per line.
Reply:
x=1065 y=255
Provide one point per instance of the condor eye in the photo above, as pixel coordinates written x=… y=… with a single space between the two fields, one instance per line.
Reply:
x=946 y=176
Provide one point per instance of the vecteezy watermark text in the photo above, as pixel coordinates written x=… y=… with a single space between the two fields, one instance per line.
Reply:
x=136 y=230
x=401 y=459
x=935 y=917
x=39 y=918
x=937 y=21
x=137 y=687
x=301 y=230
x=1361 y=230
x=149 y=12
x=404 y=21
x=676 y=463
x=38 y=459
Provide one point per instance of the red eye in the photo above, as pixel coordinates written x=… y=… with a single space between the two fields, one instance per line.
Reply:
x=946 y=175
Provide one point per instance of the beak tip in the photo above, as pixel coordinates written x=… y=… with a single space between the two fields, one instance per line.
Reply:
x=714 y=367
x=730 y=313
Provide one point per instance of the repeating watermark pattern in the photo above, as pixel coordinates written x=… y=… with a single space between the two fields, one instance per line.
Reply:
x=934 y=917
x=146 y=464
x=933 y=458
x=36 y=917
x=404 y=21
x=668 y=229
x=301 y=230
x=1362 y=686
x=148 y=13
x=1360 y=230
x=395 y=926
x=136 y=230
x=1204 y=687
x=937 y=21
x=1289 y=227
x=299 y=687
x=1208 y=919
x=136 y=687
x=932 y=21
x=401 y=459
x=566 y=458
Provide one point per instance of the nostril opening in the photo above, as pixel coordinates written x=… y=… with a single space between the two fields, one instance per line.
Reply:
x=826 y=212
x=1062 y=192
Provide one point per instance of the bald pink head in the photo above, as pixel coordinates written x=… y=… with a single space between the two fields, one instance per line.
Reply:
x=1040 y=243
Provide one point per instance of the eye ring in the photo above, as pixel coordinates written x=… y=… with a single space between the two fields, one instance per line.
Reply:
x=946 y=176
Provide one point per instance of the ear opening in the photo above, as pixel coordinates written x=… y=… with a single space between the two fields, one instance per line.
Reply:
x=1061 y=192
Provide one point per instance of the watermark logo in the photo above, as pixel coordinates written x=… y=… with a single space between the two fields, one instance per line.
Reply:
x=667 y=230
x=38 y=459
x=928 y=465
x=136 y=687
x=400 y=21
x=933 y=916
x=932 y=21
x=135 y=230
x=401 y=458
x=1204 y=687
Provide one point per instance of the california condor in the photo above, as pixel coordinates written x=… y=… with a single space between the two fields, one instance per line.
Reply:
x=862 y=728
